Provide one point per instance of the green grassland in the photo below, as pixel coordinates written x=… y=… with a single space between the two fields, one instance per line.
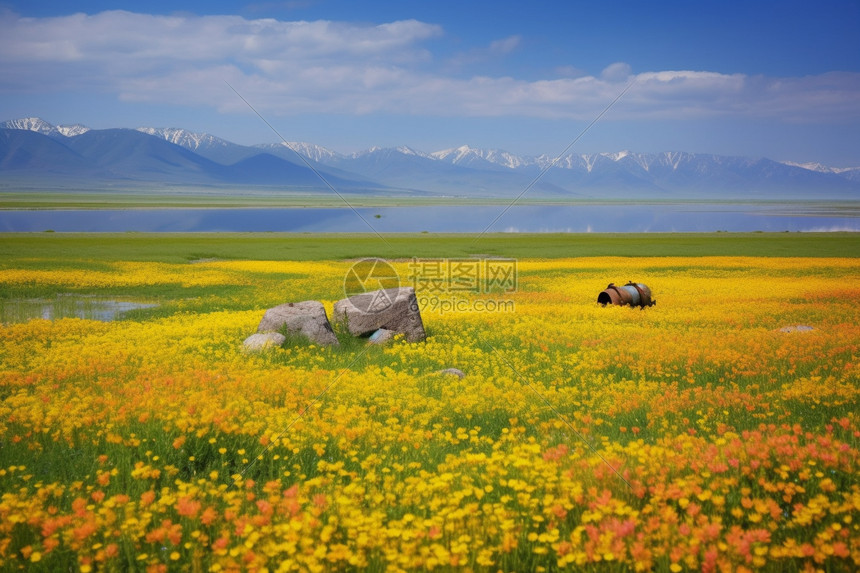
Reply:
x=100 y=252
x=179 y=247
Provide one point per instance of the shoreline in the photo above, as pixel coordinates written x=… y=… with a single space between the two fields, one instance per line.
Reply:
x=97 y=201
x=346 y=246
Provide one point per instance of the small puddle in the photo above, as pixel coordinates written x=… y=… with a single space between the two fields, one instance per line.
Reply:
x=68 y=306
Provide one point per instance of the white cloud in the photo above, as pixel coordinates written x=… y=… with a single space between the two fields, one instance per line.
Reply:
x=505 y=45
x=336 y=67
x=617 y=72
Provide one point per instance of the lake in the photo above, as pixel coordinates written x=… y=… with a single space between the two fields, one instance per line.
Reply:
x=567 y=218
x=68 y=306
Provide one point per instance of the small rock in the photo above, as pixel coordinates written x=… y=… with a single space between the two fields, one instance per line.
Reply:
x=305 y=318
x=394 y=309
x=381 y=336
x=796 y=328
x=263 y=341
x=451 y=372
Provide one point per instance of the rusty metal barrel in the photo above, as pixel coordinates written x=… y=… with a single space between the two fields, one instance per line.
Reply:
x=631 y=294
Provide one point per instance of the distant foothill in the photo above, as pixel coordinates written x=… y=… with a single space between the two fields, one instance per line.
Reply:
x=37 y=153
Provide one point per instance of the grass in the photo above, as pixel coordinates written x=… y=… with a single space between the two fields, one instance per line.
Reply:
x=102 y=252
x=98 y=248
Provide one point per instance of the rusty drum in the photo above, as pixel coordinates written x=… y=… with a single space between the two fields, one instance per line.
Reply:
x=631 y=294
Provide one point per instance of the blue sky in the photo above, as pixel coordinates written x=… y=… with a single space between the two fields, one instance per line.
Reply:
x=763 y=79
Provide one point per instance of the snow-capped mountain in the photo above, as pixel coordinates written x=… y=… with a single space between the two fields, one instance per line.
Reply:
x=469 y=156
x=41 y=126
x=464 y=170
x=408 y=169
x=30 y=124
x=852 y=173
x=812 y=166
x=72 y=130
x=310 y=151
x=377 y=151
x=36 y=153
x=204 y=144
x=187 y=139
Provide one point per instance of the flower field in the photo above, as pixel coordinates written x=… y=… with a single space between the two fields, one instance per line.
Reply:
x=690 y=436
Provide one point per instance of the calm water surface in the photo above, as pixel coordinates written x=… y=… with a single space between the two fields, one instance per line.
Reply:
x=443 y=219
x=67 y=306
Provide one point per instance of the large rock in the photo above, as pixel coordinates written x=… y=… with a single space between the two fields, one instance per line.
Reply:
x=796 y=328
x=306 y=319
x=451 y=372
x=380 y=337
x=263 y=341
x=394 y=309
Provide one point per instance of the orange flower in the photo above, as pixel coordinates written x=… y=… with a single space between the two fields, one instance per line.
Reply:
x=187 y=507
x=79 y=506
x=208 y=516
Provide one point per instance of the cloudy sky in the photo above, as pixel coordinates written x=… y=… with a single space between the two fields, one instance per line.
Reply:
x=775 y=79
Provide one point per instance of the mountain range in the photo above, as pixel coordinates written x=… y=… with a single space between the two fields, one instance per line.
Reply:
x=34 y=154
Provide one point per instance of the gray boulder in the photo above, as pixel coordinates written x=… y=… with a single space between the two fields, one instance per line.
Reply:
x=263 y=341
x=796 y=328
x=451 y=372
x=394 y=309
x=306 y=319
x=381 y=336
